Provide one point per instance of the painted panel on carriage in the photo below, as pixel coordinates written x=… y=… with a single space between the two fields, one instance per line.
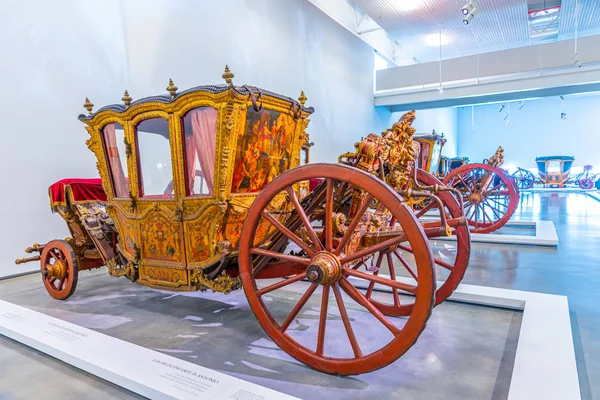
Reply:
x=200 y=236
x=161 y=238
x=263 y=150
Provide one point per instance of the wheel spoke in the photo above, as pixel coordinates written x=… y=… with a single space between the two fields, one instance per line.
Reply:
x=494 y=211
x=346 y=321
x=353 y=225
x=329 y=216
x=281 y=284
x=425 y=209
x=393 y=276
x=373 y=249
x=322 y=320
x=304 y=218
x=362 y=300
x=358 y=265
x=468 y=188
x=372 y=284
x=382 y=281
x=298 y=307
x=404 y=263
x=289 y=234
x=280 y=256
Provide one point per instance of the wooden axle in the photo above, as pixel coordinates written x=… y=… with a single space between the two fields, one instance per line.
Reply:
x=27 y=259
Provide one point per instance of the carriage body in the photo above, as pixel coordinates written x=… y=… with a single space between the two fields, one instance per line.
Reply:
x=429 y=151
x=554 y=171
x=180 y=172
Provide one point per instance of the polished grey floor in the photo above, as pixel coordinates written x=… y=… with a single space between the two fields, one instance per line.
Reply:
x=220 y=332
x=465 y=352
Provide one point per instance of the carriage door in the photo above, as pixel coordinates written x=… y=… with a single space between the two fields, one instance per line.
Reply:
x=161 y=230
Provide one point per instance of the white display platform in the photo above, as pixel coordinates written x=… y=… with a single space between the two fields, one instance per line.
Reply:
x=594 y=194
x=564 y=190
x=545 y=235
x=140 y=370
x=545 y=366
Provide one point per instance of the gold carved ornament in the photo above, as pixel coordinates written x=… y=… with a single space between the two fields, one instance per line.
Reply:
x=497 y=159
x=223 y=283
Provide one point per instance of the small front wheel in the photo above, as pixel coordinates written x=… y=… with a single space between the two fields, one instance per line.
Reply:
x=59 y=269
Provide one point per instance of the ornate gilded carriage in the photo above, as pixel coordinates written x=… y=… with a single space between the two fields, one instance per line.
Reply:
x=429 y=146
x=203 y=189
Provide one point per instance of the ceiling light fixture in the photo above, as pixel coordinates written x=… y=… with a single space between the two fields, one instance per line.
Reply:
x=467 y=8
x=467 y=20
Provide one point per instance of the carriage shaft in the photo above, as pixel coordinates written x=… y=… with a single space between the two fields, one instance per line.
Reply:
x=27 y=259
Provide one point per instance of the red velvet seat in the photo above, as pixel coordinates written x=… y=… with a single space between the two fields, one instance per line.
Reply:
x=67 y=192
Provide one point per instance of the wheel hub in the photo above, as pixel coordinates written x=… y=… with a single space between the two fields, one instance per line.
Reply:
x=324 y=268
x=474 y=198
x=58 y=270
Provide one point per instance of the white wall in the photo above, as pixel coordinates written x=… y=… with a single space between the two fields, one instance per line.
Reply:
x=535 y=130
x=443 y=120
x=56 y=53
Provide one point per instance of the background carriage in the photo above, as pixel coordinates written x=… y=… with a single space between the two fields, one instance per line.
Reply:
x=203 y=189
x=586 y=179
x=524 y=179
x=554 y=171
x=490 y=195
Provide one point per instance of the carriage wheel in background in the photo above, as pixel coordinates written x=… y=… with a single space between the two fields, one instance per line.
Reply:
x=586 y=183
x=451 y=262
x=328 y=270
x=489 y=196
x=524 y=179
x=59 y=269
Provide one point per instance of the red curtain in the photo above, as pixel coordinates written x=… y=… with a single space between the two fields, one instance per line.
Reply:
x=118 y=175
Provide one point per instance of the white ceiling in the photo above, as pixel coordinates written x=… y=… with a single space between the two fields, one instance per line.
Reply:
x=499 y=25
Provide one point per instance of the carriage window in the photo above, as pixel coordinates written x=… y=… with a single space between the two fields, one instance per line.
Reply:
x=554 y=167
x=435 y=157
x=199 y=135
x=156 y=171
x=114 y=144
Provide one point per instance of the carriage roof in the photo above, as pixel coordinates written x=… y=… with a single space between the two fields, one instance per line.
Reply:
x=429 y=137
x=244 y=90
x=555 y=158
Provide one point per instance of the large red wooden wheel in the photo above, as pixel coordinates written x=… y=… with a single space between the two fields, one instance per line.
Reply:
x=490 y=197
x=59 y=269
x=328 y=269
x=450 y=261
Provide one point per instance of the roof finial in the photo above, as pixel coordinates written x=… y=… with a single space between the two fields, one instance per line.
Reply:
x=228 y=76
x=126 y=99
x=302 y=99
x=88 y=105
x=172 y=89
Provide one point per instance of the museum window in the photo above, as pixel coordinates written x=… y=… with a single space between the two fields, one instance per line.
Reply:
x=199 y=130
x=113 y=136
x=154 y=158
